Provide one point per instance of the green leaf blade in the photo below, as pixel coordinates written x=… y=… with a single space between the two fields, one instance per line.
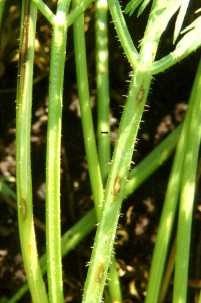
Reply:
x=180 y=18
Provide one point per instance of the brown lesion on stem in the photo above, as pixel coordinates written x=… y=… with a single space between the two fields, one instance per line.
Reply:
x=23 y=50
x=23 y=208
x=25 y=35
x=100 y=273
x=140 y=94
x=117 y=185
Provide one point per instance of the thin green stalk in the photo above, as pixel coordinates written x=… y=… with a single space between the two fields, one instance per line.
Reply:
x=87 y=123
x=53 y=228
x=161 y=12
x=102 y=79
x=86 y=115
x=69 y=241
x=123 y=33
x=188 y=194
x=23 y=158
x=103 y=119
x=166 y=222
x=156 y=158
x=2 y=7
x=187 y=45
x=114 y=284
x=48 y=14
x=168 y=273
x=45 y=11
x=161 y=152
x=104 y=239
x=168 y=213
x=78 y=10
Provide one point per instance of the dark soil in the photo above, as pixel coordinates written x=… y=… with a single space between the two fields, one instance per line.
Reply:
x=141 y=212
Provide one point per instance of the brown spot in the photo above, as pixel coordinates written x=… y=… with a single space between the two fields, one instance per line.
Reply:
x=117 y=185
x=23 y=51
x=25 y=33
x=23 y=208
x=140 y=95
x=100 y=273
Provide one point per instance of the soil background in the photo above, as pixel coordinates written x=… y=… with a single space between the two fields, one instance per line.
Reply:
x=167 y=103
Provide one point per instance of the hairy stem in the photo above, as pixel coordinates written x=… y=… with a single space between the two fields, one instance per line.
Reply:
x=139 y=87
x=23 y=157
x=138 y=176
x=53 y=229
x=103 y=117
x=123 y=33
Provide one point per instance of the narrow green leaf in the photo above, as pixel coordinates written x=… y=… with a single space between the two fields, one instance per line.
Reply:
x=192 y=33
x=134 y=4
x=142 y=7
x=180 y=18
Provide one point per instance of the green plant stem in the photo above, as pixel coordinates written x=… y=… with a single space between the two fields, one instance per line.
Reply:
x=187 y=193
x=53 y=228
x=86 y=115
x=23 y=159
x=45 y=11
x=139 y=87
x=103 y=119
x=102 y=79
x=2 y=7
x=166 y=222
x=114 y=284
x=182 y=51
x=168 y=214
x=78 y=10
x=49 y=15
x=152 y=161
x=70 y=240
x=101 y=254
x=123 y=33
x=168 y=273
x=76 y=233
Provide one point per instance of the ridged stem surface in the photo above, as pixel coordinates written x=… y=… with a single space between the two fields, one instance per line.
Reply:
x=102 y=80
x=53 y=155
x=103 y=119
x=166 y=220
x=23 y=154
x=123 y=33
x=86 y=114
x=139 y=88
x=187 y=196
x=139 y=174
